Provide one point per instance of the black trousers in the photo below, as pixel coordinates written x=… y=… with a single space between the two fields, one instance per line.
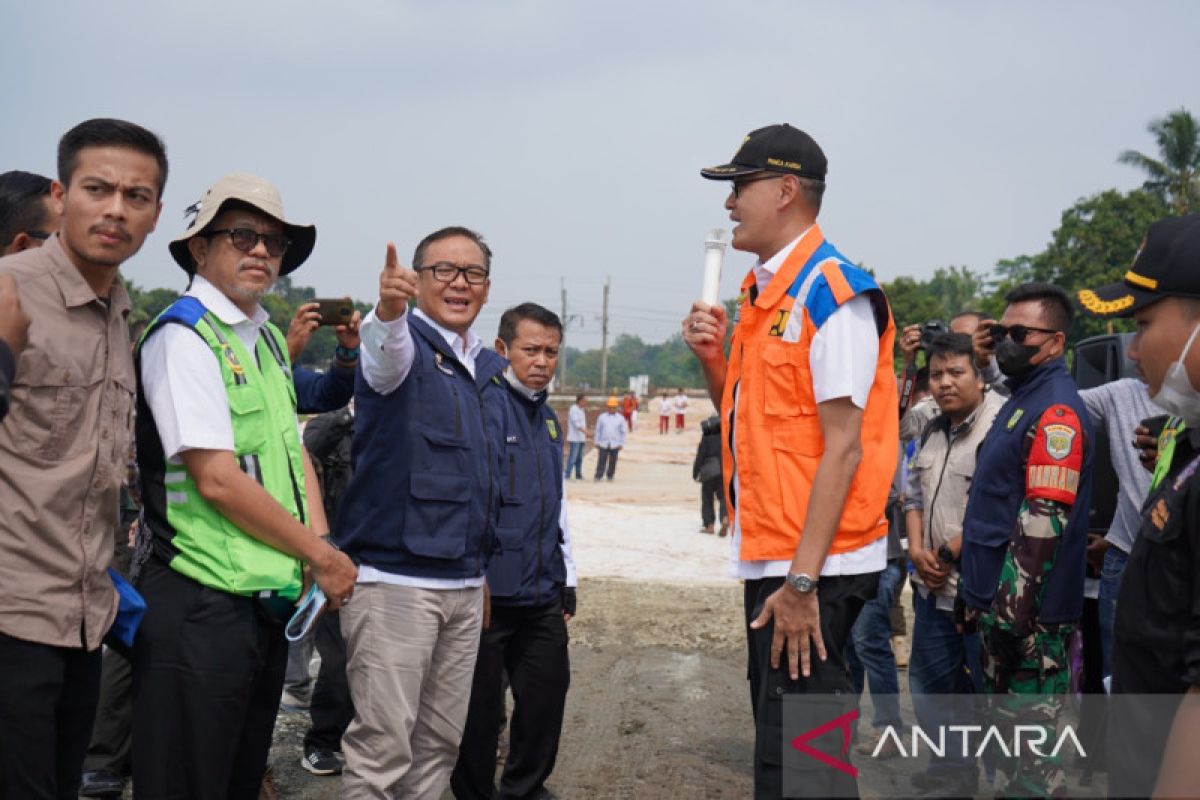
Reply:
x=47 y=704
x=606 y=462
x=207 y=676
x=111 y=748
x=531 y=643
x=711 y=490
x=332 y=708
x=840 y=599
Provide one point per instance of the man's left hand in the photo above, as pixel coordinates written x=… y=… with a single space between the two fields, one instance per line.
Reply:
x=570 y=602
x=797 y=623
x=347 y=335
x=1097 y=546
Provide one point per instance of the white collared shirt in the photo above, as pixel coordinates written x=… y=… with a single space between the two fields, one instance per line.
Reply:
x=387 y=349
x=182 y=382
x=611 y=430
x=840 y=367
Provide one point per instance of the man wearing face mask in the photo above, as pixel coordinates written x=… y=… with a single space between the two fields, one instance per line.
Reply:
x=1025 y=528
x=1157 y=628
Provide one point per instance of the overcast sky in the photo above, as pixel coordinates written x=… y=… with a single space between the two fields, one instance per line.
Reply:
x=571 y=134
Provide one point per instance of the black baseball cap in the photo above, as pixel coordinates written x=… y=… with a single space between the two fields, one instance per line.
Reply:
x=775 y=148
x=1168 y=265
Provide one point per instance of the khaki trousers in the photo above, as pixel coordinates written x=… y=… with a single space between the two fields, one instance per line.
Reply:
x=411 y=657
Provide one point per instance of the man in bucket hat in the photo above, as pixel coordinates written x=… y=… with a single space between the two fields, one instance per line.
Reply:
x=1156 y=648
x=231 y=502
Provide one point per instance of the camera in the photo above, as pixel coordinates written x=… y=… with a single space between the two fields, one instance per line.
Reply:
x=931 y=330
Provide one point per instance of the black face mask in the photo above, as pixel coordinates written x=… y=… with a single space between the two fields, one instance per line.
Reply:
x=1013 y=358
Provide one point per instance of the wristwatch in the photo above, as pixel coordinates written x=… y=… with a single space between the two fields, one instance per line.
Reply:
x=802 y=582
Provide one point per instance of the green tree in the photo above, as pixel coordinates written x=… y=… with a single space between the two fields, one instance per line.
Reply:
x=1174 y=176
x=1094 y=244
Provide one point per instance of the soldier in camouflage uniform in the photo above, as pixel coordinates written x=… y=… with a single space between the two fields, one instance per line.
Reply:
x=1025 y=528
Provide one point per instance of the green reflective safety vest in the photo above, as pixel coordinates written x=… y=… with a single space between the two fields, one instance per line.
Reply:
x=262 y=404
x=1166 y=450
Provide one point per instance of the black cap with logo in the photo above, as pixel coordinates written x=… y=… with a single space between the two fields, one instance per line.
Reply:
x=1168 y=265
x=775 y=148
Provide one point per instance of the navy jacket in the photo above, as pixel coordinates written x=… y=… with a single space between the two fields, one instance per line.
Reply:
x=528 y=568
x=998 y=489
x=319 y=392
x=422 y=499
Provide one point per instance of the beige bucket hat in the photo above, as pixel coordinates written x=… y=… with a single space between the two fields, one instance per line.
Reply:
x=253 y=191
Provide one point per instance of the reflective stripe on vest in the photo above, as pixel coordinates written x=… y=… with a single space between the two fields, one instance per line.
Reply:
x=262 y=402
x=777 y=431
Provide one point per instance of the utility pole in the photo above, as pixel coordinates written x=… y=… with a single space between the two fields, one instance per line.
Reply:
x=562 y=351
x=604 y=341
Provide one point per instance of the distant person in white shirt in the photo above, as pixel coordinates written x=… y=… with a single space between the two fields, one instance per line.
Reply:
x=666 y=406
x=611 y=430
x=681 y=404
x=577 y=433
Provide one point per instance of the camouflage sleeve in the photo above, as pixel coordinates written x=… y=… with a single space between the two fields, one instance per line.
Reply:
x=1051 y=481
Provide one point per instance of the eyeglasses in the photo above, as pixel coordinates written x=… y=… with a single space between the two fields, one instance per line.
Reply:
x=246 y=240
x=39 y=235
x=738 y=185
x=1018 y=333
x=446 y=272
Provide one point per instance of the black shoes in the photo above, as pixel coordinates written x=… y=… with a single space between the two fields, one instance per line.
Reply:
x=321 y=762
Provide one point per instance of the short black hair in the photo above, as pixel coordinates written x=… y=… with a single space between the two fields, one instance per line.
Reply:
x=527 y=311
x=948 y=345
x=22 y=204
x=447 y=233
x=104 y=132
x=579 y=397
x=921 y=381
x=1056 y=305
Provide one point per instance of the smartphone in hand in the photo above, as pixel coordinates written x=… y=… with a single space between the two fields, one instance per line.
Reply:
x=335 y=312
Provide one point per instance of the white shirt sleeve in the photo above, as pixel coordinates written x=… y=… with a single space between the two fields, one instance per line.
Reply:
x=386 y=353
x=844 y=353
x=182 y=382
x=572 y=576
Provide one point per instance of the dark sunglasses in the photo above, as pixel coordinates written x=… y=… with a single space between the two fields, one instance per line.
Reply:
x=738 y=185
x=246 y=240
x=39 y=235
x=1018 y=333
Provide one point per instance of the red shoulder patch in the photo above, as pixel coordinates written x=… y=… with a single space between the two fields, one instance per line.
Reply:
x=1055 y=457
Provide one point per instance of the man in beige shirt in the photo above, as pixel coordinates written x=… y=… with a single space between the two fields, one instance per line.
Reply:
x=63 y=448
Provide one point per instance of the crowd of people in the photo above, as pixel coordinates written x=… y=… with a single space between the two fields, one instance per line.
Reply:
x=441 y=515
x=423 y=510
x=990 y=471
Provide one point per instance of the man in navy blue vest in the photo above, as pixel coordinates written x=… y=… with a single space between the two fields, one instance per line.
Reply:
x=418 y=517
x=531 y=577
x=1025 y=528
